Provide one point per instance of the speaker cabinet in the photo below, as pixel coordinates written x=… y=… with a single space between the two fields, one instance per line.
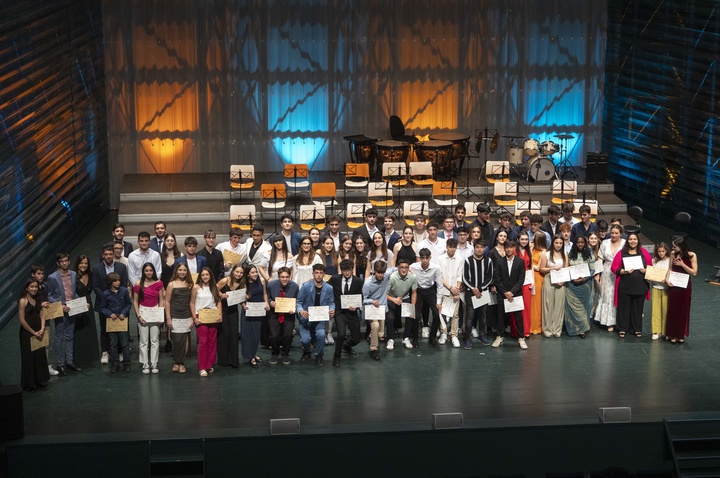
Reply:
x=614 y=414
x=447 y=420
x=11 y=413
x=596 y=168
x=284 y=426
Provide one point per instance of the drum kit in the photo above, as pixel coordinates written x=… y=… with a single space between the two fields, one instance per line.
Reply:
x=535 y=157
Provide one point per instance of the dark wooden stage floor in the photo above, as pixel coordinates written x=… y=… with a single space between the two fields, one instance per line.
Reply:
x=555 y=381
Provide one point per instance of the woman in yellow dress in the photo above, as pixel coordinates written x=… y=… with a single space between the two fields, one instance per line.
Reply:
x=539 y=246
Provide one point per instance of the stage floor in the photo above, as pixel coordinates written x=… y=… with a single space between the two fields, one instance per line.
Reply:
x=556 y=381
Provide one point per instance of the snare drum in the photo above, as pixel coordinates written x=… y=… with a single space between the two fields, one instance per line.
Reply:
x=549 y=148
x=391 y=152
x=541 y=169
x=531 y=147
x=514 y=154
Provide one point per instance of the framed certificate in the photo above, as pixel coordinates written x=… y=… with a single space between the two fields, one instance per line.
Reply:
x=255 y=309
x=484 y=299
x=208 y=316
x=285 y=305
x=231 y=257
x=407 y=310
x=54 y=311
x=116 y=325
x=181 y=326
x=236 y=297
x=579 y=271
x=514 y=306
x=77 y=306
x=36 y=343
x=560 y=276
x=374 y=313
x=318 y=313
x=351 y=300
x=679 y=279
x=632 y=263
x=529 y=277
x=655 y=274
x=152 y=314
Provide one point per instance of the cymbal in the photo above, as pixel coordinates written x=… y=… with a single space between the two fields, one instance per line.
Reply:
x=494 y=143
x=565 y=136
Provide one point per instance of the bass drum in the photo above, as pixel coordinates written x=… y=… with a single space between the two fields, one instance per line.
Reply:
x=541 y=169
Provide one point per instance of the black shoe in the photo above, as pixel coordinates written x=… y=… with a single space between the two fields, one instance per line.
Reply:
x=336 y=361
x=349 y=350
x=434 y=343
x=62 y=370
x=416 y=344
x=374 y=355
x=126 y=367
x=72 y=367
x=320 y=361
x=115 y=368
x=305 y=357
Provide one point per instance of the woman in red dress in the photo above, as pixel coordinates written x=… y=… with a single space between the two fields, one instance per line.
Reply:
x=678 y=312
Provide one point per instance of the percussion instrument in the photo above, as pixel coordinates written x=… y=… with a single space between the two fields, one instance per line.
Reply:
x=531 y=147
x=460 y=142
x=514 y=154
x=439 y=153
x=362 y=148
x=548 y=148
x=391 y=151
x=541 y=168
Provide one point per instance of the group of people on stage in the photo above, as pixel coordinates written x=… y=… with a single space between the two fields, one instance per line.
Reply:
x=442 y=281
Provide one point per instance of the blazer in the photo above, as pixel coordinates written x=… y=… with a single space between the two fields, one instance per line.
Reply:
x=362 y=231
x=56 y=290
x=337 y=282
x=201 y=262
x=509 y=281
x=295 y=238
x=306 y=297
x=155 y=245
x=99 y=280
x=547 y=227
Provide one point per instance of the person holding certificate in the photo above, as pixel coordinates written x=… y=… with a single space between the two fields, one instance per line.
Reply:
x=478 y=276
x=34 y=372
x=61 y=288
x=553 y=293
x=314 y=294
x=374 y=294
x=524 y=253
x=229 y=330
x=280 y=321
x=539 y=248
x=86 y=350
x=346 y=284
x=206 y=296
x=631 y=288
x=605 y=312
x=428 y=275
x=257 y=302
x=402 y=289
x=178 y=315
x=659 y=291
x=678 y=315
x=116 y=306
x=448 y=293
x=579 y=290
x=149 y=293
x=509 y=279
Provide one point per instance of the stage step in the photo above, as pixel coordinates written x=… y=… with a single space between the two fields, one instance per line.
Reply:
x=695 y=446
x=177 y=458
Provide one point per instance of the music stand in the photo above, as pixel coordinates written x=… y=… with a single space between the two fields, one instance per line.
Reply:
x=563 y=191
x=442 y=189
x=291 y=174
x=313 y=215
x=505 y=194
x=413 y=208
x=278 y=194
x=242 y=176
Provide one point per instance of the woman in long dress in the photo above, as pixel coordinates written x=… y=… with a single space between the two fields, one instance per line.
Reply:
x=304 y=260
x=593 y=243
x=605 y=312
x=256 y=292
x=178 y=315
x=536 y=300
x=631 y=288
x=33 y=364
x=579 y=291
x=229 y=330
x=553 y=294
x=679 y=298
x=87 y=349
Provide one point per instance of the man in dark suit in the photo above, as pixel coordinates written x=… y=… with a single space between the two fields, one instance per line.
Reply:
x=343 y=284
x=509 y=279
x=118 y=233
x=156 y=243
x=100 y=284
x=550 y=226
x=194 y=262
x=61 y=288
x=369 y=228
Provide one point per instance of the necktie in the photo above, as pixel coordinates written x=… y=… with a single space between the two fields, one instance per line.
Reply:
x=347 y=286
x=281 y=317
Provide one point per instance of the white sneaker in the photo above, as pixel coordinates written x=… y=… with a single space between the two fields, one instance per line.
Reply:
x=390 y=344
x=438 y=333
x=443 y=339
x=456 y=342
x=426 y=332
x=121 y=358
x=498 y=342
x=154 y=368
x=146 y=369
x=522 y=343
x=655 y=336
x=329 y=340
x=52 y=371
x=105 y=358
x=475 y=333
x=407 y=343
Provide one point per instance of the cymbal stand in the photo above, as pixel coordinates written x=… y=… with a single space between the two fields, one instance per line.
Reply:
x=484 y=136
x=468 y=156
x=564 y=167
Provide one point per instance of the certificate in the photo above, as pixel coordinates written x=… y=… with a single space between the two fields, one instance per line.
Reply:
x=255 y=309
x=231 y=257
x=152 y=314
x=318 y=313
x=285 y=305
x=484 y=299
x=514 y=306
x=529 y=277
x=407 y=310
x=54 y=311
x=679 y=279
x=560 y=276
x=181 y=326
x=351 y=300
x=448 y=306
x=235 y=297
x=327 y=277
x=77 y=306
x=374 y=313
x=116 y=325
x=655 y=274
x=208 y=316
x=194 y=277
x=632 y=263
x=598 y=266
x=36 y=343
x=579 y=271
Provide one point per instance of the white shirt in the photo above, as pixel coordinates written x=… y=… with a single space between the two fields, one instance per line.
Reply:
x=137 y=258
x=240 y=249
x=464 y=252
x=192 y=265
x=451 y=269
x=426 y=277
x=437 y=248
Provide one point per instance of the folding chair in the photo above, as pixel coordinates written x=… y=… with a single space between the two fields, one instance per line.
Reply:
x=563 y=191
x=421 y=174
x=242 y=176
x=395 y=174
x=357 y=176
x=594 y=207
x=497 y=171
x=380 y=194
x=355 y=214
x=242 y=216
x=324 y=194
x=535 y=207
x=273 y=196
x=444 y=193
x=312 y=215
x=413 y=208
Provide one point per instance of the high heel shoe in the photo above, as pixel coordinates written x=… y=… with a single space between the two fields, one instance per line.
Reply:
x=253 y=363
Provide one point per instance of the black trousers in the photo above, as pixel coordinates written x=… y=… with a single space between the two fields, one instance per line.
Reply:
x=475 y=317
x=281 y=334
x=629 y=312
x=343 y=322
x=394 y=320
x=427 y=296
x=500 y=323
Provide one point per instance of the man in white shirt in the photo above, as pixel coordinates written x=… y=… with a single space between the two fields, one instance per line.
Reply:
x=333 y=230
x=428 y=275
x=140 y=256
x=464 y=248
x=419 y=231
x=568 y=208
x=194 y=262
x=232 y=245
x=435 y=244
x=255 y=248
x=448 y=292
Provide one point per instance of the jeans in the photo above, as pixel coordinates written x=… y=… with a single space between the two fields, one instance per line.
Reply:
x=123 y=339
x=310 y=330
x=64 y=337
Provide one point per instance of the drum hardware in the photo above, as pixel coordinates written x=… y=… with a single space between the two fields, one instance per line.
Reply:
x=483 y=136
x=564 y=167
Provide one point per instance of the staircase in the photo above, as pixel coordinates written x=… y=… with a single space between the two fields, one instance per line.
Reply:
x=695 y=447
